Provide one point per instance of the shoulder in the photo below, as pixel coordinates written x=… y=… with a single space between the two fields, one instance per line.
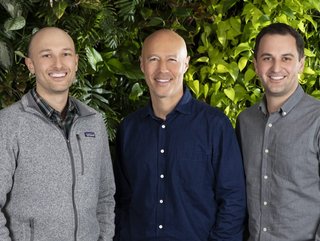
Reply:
x=136 y=116
x=12 y=112
x=252 y=110
x=310 y=100
x=209 y=112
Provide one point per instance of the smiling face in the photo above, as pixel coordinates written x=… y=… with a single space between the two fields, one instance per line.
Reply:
x=53 y=60
x=278 y=65
x=164 y=61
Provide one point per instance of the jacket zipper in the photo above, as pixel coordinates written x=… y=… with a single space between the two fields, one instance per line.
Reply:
x=31 y=224
x=73 y=190
x=81 y=154
x=73 y=177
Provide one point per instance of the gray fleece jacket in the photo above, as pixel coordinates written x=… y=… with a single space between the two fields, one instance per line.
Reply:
x=51 y=188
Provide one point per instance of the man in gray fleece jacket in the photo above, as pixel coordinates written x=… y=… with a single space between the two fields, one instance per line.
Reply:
x=55 y=168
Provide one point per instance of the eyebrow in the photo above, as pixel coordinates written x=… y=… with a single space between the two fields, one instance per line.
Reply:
x=167 y=56
x=267 y=54
x=49 y=50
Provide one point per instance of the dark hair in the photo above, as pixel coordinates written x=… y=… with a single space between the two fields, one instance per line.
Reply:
x=282 y=29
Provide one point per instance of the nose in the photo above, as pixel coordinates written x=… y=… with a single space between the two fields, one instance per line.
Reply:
x=276 y=65
x=163 y=66
x=57 y=62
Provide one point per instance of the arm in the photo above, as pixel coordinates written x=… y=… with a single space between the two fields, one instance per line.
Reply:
x=122 y=191
x=229 y=186
x=105 y=209
x=7 y=168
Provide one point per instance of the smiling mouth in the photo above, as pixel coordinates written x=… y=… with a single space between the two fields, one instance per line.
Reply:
x=58 y=74
x=163 y=80
x=277 y=77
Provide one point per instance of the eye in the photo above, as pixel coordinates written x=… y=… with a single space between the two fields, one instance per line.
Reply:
x=46 y=55
x=152 y=59
x=173 y=60
x=286 y=59
x=67 y=54
x=266 y=58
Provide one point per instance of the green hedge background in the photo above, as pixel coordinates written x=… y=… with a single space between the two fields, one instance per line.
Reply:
x=108 y=35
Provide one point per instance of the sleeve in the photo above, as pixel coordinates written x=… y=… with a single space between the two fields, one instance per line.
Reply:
x=122 y=196
x=106 y=203
x=229 y=185
x=7 y=166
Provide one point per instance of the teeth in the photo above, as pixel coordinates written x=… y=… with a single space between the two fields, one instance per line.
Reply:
x=277 y=77
x=163 y=80
x=57 y=75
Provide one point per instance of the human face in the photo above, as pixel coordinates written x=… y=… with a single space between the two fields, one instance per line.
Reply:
x=53 y=60
x=278 y=65
x=164 y=61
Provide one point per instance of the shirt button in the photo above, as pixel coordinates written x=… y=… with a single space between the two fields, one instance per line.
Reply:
x=163 y=126
x=265 y=177
x=284 y=113
x=264 y=229
x=265 y=203
x=160 y=226
x=162 y=151
x=270 y=124
x=266 y=151
x=161 y=176
x=160 y=201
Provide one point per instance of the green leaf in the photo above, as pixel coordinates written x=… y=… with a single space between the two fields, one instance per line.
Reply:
x=5 y=55
x=15 y=23
x=308 y=70
x=242 y=63
x=233 y=70
x=221 y=68
x=230 y=93
x=115 y=66
x=206 y=90
x=156 y=21
x=222 y=33
x=241 y=48
x=249 y=75
x=203 y=59
x=309 y=53
x=195 y=87
x=93 y=56
x=12 y=7
x=59 y=8
x=19 y=53
x=136 y=92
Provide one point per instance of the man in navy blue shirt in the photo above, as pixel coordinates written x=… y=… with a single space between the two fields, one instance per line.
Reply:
x=179 y=171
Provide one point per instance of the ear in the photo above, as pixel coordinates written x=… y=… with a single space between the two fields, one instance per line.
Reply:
x=255 y=64
x=186 y=64
x=141 y=64
x=29 y=64
x=301 y=63
x=77 y=60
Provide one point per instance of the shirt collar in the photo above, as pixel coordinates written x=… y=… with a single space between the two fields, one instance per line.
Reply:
x=47 y=110
x=183 y=106
x=292 y=101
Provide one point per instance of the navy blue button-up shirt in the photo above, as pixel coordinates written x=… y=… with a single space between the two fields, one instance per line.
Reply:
x=179 y=179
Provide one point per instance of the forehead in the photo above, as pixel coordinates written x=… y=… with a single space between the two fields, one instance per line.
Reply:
x=276 y=43
x=51 y=39
x=164 y=43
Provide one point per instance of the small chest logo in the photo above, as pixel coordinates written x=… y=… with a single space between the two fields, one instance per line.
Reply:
x=89 y=134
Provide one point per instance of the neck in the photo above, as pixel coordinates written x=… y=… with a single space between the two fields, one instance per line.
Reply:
x=163 y=106
x=274 y=103
x=57 y=102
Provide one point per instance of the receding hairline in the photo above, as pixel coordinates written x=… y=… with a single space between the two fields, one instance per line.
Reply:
x=40 y=31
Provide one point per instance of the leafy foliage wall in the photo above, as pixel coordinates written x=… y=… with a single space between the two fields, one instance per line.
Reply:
x=108 y=34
